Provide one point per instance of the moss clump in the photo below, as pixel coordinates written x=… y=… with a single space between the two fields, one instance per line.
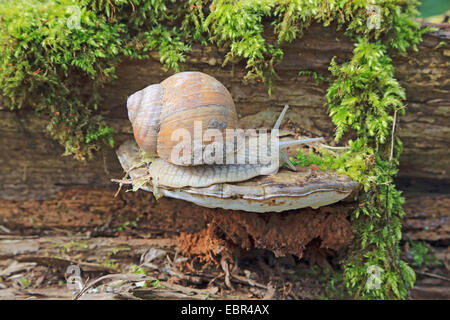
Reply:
x=363 y=102
x=51 y=47
x=371 y=103
x=42 y=59
x=57 y=54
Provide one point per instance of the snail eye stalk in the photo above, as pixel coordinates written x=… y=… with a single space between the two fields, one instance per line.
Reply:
x=285 y=158
x=280 y=118
x=285 y=144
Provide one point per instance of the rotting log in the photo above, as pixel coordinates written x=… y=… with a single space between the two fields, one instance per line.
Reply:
x=428 y=218
x=98 y=212
x=41 y=190
x=31 y=166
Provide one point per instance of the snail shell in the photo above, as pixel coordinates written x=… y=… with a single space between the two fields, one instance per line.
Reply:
x=178 y=102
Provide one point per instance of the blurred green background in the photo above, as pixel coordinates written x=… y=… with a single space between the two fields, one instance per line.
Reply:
x=434 y=10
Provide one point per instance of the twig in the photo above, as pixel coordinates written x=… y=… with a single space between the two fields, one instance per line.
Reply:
x=333 y=148
x=224 y=266
x=83 y=289
x=118 y=190
x=131 y=2
x=392 y=137
x=123 y=181
x=433 y=275
x=250 y=282
x=4 y=229
x=117 y=276
x=388 y=219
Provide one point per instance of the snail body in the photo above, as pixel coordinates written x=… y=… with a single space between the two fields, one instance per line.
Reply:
x=169 y=174
x=181 y=101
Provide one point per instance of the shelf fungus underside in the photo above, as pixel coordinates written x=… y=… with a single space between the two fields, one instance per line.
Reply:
x=286 y=190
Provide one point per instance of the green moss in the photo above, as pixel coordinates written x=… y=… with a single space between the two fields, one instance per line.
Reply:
x=238 y=24
x=43 y=64
x=362 y=102
x=316 y=76
x=421 y=254
x=57 y=69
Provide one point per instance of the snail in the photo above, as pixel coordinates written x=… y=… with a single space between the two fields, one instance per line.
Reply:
x=188 y=101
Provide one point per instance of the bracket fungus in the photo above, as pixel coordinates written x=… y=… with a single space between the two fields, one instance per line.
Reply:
x=285 y=190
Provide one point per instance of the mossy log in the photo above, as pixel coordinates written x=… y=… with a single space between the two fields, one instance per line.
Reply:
x=31 y=166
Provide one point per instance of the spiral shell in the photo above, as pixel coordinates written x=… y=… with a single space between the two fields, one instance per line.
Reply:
x=177 y=103
x=144 y=110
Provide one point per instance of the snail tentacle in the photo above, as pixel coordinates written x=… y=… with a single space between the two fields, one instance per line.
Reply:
x=280 y=118
x=285 y=144
x=285 y=158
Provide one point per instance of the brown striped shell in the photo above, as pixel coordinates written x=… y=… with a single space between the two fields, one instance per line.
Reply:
x=178 y=102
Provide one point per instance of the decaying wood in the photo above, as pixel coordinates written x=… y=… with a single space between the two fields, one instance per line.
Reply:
x=64 y=240
x=290 y=233
x=46 y=277
x=98 y=212
x=428 y=218
x=31 y=166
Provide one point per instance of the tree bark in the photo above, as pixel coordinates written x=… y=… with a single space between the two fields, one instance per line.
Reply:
x=31 y=166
